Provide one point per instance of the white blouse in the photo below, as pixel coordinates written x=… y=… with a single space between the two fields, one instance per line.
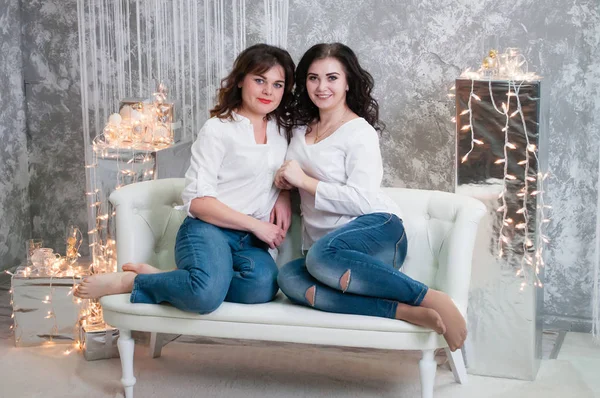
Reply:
x=230 y=166
x=349 y=167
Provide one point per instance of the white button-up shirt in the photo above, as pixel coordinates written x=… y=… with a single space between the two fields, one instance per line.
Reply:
x=349 y=167
x=230 y=166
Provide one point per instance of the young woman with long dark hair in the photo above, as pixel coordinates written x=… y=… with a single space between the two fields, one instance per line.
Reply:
x=354 y=233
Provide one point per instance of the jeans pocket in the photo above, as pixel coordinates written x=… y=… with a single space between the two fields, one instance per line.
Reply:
x=401 y=250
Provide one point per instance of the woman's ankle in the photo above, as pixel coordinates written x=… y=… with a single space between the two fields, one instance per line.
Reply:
x=431 y=298
x=127 y=280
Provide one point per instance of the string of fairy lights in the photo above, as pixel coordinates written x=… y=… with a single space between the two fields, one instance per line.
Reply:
x=129 y=137
x=128 y=141
x=511 y=67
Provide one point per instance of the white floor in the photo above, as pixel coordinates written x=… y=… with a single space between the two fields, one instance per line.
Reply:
x=583 y=353
x=246 y=369
x=254 y=369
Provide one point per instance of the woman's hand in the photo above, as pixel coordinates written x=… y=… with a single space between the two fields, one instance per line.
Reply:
x=269 y=233
x=281 y=215
x=281 y=182
x=293 y=173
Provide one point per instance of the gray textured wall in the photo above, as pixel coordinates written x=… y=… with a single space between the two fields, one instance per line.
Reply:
x=569 y=58
x=56 y=155
x=414 y=50
x=15 y=224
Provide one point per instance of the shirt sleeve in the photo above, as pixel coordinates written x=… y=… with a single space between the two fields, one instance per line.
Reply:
x=364 y=170
x=201 y=177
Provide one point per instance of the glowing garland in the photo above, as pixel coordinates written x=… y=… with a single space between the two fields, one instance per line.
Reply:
x=129 y=134
x=510 y=68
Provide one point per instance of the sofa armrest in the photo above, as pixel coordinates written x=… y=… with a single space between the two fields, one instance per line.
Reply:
x=456 y=250
x=441 y=228
x=147 y=221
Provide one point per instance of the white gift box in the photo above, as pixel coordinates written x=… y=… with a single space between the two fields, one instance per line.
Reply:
x=44 y=309
x=99 y=342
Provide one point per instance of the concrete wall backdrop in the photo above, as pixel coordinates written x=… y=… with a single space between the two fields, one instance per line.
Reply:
x=15 y=221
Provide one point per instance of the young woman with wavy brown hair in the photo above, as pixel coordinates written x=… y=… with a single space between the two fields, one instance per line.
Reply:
x=234 y=212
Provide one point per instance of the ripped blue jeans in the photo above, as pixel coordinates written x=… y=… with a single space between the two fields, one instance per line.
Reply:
x=355 y=270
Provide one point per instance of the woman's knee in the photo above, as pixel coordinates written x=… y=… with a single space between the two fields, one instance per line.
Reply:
x=262 y=278
x=293 y=279
x=298 y=291
x=324 y=265
x=265 y=286
x=204 y=308
x=204 y=301
x=206 y=293
x=318 y=257
x=291 y=270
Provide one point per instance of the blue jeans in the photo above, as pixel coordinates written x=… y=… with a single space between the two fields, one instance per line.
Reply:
x=213 y=265
x=355 y=270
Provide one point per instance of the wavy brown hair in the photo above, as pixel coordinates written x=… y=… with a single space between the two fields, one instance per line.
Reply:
x=257 y=59
x=360 y=85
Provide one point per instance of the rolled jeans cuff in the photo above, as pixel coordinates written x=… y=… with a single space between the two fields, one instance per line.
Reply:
x=137 y=293
x=421 y=295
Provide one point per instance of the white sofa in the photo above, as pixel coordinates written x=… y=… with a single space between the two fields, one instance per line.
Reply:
x=440 y=252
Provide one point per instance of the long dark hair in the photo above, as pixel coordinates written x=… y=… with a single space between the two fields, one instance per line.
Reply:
x=257 y=59
x=360 y=85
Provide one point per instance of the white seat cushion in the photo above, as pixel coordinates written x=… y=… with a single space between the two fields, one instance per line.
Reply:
x=278 y=312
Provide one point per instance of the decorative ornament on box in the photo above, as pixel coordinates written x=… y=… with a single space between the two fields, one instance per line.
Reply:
x=511 y=64
x=140 y=124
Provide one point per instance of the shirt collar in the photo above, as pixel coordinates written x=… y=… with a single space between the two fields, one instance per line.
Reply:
x=243 y=119
x=239 y=118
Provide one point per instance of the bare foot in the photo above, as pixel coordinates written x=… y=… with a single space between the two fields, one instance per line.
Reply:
x=98 y=285
x=456 y=327
x=140 y=268
x=421 y=316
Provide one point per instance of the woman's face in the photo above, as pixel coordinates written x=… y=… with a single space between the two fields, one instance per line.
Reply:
x=326 y=84
x=262 y=93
